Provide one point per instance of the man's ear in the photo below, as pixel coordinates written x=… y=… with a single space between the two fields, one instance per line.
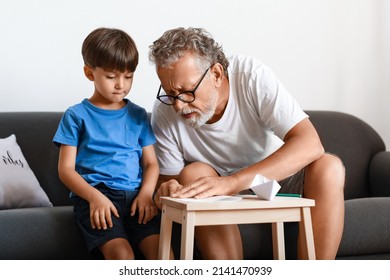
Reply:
x=218 y=72
x=88 y=73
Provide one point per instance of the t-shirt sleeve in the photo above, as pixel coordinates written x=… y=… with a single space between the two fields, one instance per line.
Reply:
x=147 y=136
x=68 y=130
x=277 y=108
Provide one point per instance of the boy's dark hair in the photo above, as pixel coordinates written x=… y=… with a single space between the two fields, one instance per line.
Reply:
x=110 y=49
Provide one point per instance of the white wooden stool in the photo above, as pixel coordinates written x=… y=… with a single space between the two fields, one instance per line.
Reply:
x=248 y=210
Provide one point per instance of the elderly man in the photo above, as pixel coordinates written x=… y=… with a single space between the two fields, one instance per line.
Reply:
x=219 y=122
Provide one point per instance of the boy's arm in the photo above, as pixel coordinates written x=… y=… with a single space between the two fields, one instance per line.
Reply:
x=150 y=170
x=100 y=206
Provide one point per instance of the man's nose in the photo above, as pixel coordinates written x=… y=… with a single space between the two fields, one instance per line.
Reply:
x=178 y=105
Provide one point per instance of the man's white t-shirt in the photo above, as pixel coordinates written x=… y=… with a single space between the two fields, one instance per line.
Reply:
x=259 y=113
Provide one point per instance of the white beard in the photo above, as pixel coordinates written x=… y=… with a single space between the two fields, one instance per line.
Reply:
x=202 y=118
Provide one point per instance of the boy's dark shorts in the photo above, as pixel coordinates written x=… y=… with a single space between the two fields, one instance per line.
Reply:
x=123 y=227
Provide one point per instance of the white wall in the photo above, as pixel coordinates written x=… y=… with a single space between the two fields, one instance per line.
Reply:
x=331 y=54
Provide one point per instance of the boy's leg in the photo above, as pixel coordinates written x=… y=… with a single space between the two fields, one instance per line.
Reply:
x=113 y=241
x=214 y=242
x=117 y=249
x=324 y=182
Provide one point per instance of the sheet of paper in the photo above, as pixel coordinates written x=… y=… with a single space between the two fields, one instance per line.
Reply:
x=217 y=198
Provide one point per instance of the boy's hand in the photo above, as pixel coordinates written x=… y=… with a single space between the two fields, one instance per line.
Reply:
x=146 y=208
x=100 y=212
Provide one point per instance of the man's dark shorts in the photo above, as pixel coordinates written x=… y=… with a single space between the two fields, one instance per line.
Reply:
x=123 y=227
x=294 y=183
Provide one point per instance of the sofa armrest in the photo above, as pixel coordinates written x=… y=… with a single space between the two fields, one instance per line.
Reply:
x=379 y=174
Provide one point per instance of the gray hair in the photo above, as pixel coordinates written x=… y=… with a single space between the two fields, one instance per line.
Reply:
x=175 y=43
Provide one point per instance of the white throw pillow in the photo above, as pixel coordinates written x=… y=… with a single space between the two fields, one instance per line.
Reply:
x=19 y=188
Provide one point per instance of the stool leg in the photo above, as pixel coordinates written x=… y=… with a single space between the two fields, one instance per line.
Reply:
x=187 y=236
x=278 y=241
x=165 y=235
x=306 y=235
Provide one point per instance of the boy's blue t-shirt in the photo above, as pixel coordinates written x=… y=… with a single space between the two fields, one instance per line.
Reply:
x=109 y=143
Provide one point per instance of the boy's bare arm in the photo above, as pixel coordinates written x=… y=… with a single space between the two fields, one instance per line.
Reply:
x=100 y=206
x=143 y=202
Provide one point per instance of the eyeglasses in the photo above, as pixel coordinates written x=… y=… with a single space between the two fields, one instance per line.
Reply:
x=185 y=96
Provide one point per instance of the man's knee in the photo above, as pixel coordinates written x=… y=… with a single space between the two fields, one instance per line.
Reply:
x=334 y=165
x=196 y=170
x=327 y=169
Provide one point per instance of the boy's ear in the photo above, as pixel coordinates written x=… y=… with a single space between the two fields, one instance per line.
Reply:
x=88 y=73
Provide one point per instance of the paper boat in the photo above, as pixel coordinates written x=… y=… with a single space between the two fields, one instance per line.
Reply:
x=264 y=188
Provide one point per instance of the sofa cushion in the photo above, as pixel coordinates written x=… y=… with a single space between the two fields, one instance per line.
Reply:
x=366 y=227
x=35 y=131
x=41 y=233
x=19 y=188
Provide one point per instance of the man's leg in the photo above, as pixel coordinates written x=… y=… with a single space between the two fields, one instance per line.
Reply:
x=324 y=182
x=149 y=247
x=220 y=242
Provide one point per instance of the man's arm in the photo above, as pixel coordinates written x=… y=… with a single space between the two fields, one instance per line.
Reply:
x=302 y=146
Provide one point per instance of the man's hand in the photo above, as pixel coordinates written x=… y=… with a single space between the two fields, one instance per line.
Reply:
x=166 y=189
x=206 y=187
x=201 y=188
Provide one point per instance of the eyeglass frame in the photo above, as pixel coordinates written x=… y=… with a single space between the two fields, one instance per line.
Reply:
x=192 y=92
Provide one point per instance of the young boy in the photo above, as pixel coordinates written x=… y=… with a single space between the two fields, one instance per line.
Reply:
x=107 y=158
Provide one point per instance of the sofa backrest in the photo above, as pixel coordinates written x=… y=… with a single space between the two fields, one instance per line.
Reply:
x=354 y=141
x=344 y=135
x=34 y=132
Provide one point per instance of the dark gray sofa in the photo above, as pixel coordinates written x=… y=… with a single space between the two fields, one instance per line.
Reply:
x=51 y=232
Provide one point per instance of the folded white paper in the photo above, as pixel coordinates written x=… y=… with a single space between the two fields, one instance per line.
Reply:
x=264 y=188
